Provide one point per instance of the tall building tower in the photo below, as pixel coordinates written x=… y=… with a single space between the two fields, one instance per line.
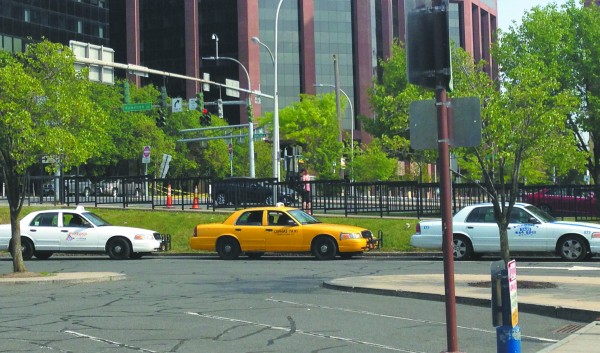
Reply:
x=58 y=21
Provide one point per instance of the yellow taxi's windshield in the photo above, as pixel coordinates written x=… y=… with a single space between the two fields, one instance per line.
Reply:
x=303 y=217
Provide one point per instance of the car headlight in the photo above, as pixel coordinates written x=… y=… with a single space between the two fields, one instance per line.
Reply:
x=143 y=237
x=345 y=236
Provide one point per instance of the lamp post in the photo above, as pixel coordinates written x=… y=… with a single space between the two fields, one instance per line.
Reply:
x=276 y=161
x=248 y=102
x=352 y=116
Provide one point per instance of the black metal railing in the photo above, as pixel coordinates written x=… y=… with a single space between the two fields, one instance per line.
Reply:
x=394 y=198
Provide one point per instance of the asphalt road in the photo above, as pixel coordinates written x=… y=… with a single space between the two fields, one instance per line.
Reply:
x=276 y=304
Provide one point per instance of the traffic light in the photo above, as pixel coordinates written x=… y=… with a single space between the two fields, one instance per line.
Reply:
x=163 y=98
x=428 y=61
x=205 y=118
x=200 y=101
x=220 y=108
x=161 y=119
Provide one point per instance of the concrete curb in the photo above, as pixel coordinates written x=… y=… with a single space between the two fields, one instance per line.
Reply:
x=67 y=278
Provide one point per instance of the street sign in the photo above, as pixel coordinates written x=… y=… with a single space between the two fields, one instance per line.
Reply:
x=176 y=105
x=193 y=103
x=232 y=92
x=146 y=155
x=164 y=165
x=136 y=107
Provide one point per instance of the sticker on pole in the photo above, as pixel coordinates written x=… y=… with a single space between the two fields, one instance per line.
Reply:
x=512 y=289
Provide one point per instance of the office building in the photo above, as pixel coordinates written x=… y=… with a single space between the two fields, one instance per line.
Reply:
x=58 y=21
x=175 y=35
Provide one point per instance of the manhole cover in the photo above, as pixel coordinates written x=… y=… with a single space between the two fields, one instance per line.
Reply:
x=570 y=328
x=520 y=285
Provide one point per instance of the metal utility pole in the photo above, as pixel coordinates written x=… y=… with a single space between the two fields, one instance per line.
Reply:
x=428 y=65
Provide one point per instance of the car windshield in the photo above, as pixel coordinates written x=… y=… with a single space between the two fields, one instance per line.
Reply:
x=542 y=215
x=304 y=217
x=95 y=219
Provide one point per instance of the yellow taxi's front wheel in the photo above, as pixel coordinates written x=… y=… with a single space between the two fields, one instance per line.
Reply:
x=324 y=248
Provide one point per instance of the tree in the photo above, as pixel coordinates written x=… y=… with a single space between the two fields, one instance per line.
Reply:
x=46 y=109
x=372 y=164
x=129 y=132
x=571 y=49
x=312 y=123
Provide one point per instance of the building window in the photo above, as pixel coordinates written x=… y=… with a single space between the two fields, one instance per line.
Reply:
x=101 y=31
x=79 y=26
x=27 y=15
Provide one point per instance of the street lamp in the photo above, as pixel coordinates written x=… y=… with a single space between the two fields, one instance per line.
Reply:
x=352 y=116
x=216 y=39
x=276 y=161
x=248 y=102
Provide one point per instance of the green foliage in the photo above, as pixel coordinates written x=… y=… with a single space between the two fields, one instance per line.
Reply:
x=372 y=164
x=47 y=109
x=390 y=99
x=312 y=123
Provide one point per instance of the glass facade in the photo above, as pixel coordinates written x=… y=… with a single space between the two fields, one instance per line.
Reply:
x=454 y=25
x=333 y=35
x=57 y=20
x=288 y=52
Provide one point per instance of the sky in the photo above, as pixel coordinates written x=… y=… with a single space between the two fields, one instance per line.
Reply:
x=509 y=10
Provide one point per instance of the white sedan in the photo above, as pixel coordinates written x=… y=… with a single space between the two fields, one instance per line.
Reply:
x=530 y=230
x=78 y=231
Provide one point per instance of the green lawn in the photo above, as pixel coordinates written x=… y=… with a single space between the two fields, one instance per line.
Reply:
x=180 y=224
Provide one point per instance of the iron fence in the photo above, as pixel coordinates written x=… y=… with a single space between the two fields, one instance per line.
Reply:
x=395 y=198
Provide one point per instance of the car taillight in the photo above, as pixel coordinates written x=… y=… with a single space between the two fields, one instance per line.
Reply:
x=418 y=228
x=595 y=235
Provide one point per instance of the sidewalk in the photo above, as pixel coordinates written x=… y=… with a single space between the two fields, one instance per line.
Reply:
x=573 y=298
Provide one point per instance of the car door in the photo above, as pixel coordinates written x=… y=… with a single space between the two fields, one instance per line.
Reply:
x=283 y=233
x=525 y=233
x=44 y=230
x=250 y=231
x=78 y=233
x=482 y=228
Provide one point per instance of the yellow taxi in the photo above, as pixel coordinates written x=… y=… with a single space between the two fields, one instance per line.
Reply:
x=254 y=231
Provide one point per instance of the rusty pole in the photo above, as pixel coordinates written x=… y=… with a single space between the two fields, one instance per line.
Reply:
x=445 y=189
x=445 y=201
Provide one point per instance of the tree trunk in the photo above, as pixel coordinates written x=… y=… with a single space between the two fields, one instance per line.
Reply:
x=17 y=255
x=504 y=247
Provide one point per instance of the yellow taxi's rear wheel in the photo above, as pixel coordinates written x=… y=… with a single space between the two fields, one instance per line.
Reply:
x=324 y=248
x=228 y=248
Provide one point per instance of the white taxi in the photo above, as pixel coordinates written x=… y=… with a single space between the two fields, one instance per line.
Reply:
x=530 y=230
x=79 y=231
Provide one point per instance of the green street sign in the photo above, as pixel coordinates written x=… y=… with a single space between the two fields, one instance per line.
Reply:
x=136 y=107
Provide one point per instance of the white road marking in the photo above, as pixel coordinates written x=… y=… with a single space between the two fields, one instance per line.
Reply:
x=103 y=340
x=301 y=332
x=363 y=312
x=572 y=268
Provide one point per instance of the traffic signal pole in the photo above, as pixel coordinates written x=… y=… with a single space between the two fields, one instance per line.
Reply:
x=440 y=48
